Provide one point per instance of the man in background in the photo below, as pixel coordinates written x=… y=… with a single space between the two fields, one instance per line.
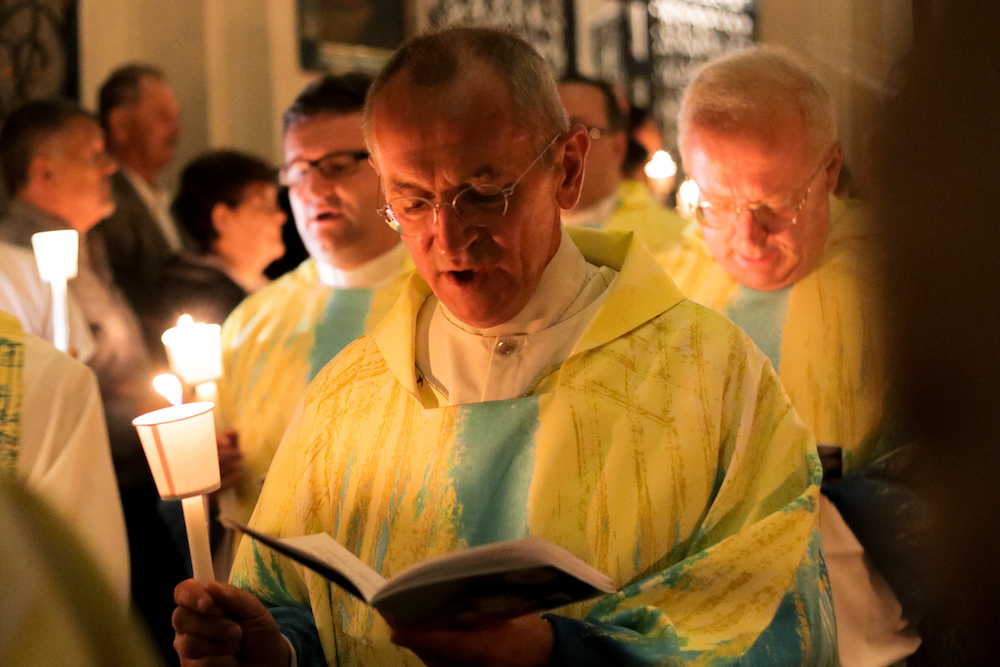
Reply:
x=55 y=164
x=610 y=201
x=757 y=132
x=276 y=342
x=141 y=120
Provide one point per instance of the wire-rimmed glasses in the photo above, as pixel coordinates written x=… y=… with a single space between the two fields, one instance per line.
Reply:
x=479 y=205
x=773 y=219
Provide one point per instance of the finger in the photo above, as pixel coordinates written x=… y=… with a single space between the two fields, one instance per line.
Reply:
x=217 y=629
x=193 y=647
x=237 y=603
x=227 y=661
x=189 y=593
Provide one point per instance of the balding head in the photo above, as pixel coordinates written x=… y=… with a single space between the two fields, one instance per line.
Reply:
x=750 y=91
x=440 y=59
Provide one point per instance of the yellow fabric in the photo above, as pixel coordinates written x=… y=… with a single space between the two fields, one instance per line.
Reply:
x=269 y=349
x=11 y=390
x=57 y=608
x=675 y=242
x=638 y=211
x=832 y=344
x=702 y=279
x=664 y=452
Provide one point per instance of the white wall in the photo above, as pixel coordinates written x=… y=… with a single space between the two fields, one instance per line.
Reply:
x=850 y=44
x=232 y=63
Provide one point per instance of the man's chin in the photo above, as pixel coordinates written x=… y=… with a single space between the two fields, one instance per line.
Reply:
x=472 y=298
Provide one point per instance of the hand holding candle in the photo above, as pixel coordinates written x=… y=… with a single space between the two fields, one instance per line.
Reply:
x=56 y=254
x=181 y=450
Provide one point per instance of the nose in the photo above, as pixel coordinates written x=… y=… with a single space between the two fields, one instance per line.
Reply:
x=451 y=235
x=315 y=186
x=747 y=232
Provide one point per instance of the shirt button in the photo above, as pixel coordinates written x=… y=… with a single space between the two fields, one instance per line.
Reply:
x=506 y=347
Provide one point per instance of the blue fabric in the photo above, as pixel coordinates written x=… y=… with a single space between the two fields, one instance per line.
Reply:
x=495 y=461
x=343 y=321
x=298 y=625
x=762 y=316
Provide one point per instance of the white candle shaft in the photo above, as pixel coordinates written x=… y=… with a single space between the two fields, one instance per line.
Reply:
x=196 y=521
x=60 y=316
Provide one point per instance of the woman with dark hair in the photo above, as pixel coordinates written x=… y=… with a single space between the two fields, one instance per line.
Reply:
x=228 y=205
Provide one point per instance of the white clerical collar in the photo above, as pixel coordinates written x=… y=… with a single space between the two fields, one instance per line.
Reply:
x=593 y=216
x=373 y=274
x=560 y=285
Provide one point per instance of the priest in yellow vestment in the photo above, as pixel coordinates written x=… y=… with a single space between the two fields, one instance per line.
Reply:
x=531 y=383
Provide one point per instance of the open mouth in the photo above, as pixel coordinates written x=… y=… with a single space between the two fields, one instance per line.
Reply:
x=327 y=216
x=463 y=276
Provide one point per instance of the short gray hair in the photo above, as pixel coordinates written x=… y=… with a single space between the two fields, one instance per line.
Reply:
x=744 y=88
x=436 y=58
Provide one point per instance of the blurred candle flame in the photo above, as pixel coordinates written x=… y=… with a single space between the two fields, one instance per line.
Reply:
x=168 y=386
x=660 y=166
x=687 y=198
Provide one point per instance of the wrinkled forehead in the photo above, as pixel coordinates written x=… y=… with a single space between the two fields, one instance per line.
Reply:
x=463 y=132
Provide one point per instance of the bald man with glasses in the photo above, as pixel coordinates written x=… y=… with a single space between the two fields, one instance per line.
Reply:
x=279 y=338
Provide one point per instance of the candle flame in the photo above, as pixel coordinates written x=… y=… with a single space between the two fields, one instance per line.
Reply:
x=185 y=320
x=687 y=197
x=660 y=166
x=168 y=386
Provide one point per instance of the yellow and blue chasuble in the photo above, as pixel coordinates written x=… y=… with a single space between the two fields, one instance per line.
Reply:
x=663 y=452
x=676 y=244
x=273 y=345
x=11 y=391
x=824 y=336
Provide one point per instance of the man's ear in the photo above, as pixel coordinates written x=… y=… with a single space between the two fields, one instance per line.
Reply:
x=118 y=126
x=40 y=169
x=222 y=217
x=570 y=165
x=833 y=165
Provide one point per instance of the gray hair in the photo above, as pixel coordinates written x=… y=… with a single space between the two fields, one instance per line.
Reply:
x=435 y=59
x=745 y=88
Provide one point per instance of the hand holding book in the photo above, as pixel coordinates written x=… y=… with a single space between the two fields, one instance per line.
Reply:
x=469 y=588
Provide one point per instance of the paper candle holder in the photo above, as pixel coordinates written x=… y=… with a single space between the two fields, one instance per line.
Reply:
x=180 y=447
x=57 y=254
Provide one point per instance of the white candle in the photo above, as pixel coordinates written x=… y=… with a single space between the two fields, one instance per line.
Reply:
x=56 y=254
x=194 y=350
x=196 y=522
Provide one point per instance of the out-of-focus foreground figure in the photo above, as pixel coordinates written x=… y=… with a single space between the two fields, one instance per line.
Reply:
x=940 y=225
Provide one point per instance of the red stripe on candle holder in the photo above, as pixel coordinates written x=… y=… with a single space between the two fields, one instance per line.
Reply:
x=163 y=460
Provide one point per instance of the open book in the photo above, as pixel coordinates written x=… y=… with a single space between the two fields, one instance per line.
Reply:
x=473 y=587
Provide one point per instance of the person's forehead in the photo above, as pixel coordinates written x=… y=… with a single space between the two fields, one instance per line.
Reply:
x=319 y=135
x=154 y=91
x=80 y=133
x=471 y=131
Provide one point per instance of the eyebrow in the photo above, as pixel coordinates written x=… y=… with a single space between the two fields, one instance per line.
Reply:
x=485 y=171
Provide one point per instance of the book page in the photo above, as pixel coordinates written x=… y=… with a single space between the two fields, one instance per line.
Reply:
x=324 y=555
x=485 y=585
